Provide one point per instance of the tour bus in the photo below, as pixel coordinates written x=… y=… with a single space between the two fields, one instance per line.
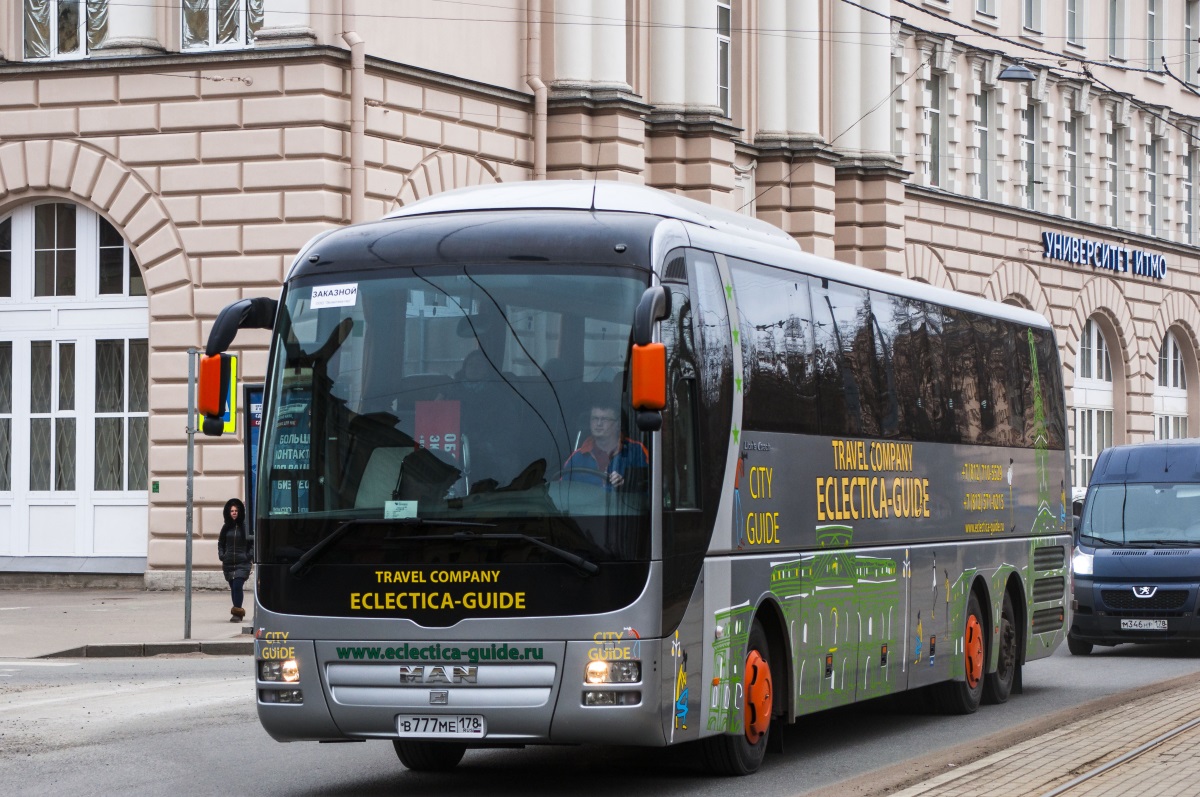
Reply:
x=1136 y=564
x=568 y=462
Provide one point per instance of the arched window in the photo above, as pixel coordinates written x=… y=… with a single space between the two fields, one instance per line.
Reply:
x=1093 y=400
x=1170 y=392
x=74 y=389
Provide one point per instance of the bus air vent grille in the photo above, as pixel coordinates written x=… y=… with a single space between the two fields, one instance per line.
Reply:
x=1048 y=589
x=1053 y=557
x=1045 y=620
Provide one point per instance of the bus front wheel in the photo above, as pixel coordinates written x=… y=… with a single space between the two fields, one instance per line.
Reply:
x=429 y=756
x=742 y=753
x=964 y=696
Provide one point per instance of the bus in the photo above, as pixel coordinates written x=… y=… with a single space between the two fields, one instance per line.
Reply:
x=588 y=463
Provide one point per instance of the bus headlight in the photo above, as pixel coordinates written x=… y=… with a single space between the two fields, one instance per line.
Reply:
x=1081 y=563
x=622 y=671
x=288 y=670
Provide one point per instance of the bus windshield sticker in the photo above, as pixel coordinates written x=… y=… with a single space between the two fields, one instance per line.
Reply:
x=398 y=510
x=334 y=296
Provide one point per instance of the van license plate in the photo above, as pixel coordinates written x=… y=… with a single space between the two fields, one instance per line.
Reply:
x=1143 y=625
x=441 y=726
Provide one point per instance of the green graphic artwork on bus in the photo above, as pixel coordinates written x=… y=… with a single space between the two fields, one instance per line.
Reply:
x=1045 y=521
x=840 y=610
x=729 y=652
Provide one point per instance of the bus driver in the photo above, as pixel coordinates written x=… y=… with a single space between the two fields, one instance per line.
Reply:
x=606 y=457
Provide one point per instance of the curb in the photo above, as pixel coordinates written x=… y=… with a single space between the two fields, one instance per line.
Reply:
x=141 y=649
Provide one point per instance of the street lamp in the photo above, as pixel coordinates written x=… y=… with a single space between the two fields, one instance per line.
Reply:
x=1016 y=73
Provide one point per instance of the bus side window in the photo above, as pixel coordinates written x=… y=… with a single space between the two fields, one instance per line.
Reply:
x=685 y=470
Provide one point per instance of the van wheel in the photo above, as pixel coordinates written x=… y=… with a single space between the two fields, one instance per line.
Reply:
x=964 y=697
x=429 y=756
x=997 y=686
x=1078 y=647
x=742 y=753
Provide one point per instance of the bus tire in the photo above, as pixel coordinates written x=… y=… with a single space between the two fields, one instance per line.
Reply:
x=964 y=697
x=997 y=686
x=742 y=753
x=1078 y=647
x=429 y=756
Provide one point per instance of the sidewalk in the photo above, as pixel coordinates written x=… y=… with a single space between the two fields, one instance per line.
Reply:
x=117 y=622
x=1139 y=743
x=1091 y=757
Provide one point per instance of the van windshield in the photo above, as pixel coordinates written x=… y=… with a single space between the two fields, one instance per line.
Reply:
x=1142 y=514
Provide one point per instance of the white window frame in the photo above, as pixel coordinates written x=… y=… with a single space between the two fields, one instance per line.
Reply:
x=1029 y=147
x=935 y=91
x=983 y=141
x=1191 y=48
x=1075 y=26
x=1116 y=29
x=725 y=58
x=1170 y=391
x=245 y=36
x=1093 y=399
x=1188 y=186
x=1114 y=142
x=85 y=8
x=1071 y=151
x=1031 y=16
x=1154 y=28
x=1153 y=157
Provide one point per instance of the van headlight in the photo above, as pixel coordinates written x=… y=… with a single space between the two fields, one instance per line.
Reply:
x=1081 y=563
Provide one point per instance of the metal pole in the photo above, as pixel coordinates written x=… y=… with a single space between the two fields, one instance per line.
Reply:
x=191 y=461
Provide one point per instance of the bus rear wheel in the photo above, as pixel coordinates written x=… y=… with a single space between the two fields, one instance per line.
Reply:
x=742 y=753
x=429 y=756
x=997 y=686
x=964 y=697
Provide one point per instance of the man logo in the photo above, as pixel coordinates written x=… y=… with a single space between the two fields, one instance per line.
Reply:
x=438 y=674
x=1144 y=592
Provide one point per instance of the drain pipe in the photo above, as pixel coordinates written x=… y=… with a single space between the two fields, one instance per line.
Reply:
x=533 y=78
x=358 y=107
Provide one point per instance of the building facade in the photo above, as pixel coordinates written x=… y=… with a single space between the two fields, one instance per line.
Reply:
x=159 y=160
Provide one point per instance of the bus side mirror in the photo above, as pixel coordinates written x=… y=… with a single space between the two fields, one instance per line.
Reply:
x=649 y=366
x=212 y=387
x=649 y=359
x=654 y=305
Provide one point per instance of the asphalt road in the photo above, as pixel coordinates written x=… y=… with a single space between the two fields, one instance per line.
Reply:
x=187 y=725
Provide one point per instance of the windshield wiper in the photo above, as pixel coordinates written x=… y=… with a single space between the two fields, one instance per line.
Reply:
x=1102 y=540
x=302 y=564
x=1167 y=543
x=585 y=565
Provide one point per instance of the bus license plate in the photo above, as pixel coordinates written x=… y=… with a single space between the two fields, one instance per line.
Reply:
x=1143 y=625
x=441 y=726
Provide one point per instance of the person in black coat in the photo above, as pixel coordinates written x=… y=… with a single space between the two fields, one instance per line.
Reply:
x=233 y=549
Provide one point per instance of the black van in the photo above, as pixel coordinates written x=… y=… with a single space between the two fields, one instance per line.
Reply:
x=1136 y=568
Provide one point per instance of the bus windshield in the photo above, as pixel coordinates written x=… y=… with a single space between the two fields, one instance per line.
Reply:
x=1163 y=514
x=436 y=415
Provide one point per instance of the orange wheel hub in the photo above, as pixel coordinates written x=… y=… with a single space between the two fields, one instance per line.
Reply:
x=758 y=696
x=973 y=651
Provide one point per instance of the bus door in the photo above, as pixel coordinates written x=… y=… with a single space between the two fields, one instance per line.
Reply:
x=696 y=421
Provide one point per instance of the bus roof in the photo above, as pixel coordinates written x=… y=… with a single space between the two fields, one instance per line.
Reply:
x=603 y=195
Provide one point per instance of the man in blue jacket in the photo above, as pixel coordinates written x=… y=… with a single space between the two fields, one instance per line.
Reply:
x=607 y=457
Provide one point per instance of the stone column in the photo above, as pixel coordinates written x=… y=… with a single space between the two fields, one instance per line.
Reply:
x=774 y=69
x=667 y=83
x=846 y=133
x=132 y=29
x=804 y=68
x=286 y=23
x=876 y=135
x=595 y=126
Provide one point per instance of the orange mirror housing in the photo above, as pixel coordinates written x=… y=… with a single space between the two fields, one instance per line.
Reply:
x=213 y=385
x=649 y=376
